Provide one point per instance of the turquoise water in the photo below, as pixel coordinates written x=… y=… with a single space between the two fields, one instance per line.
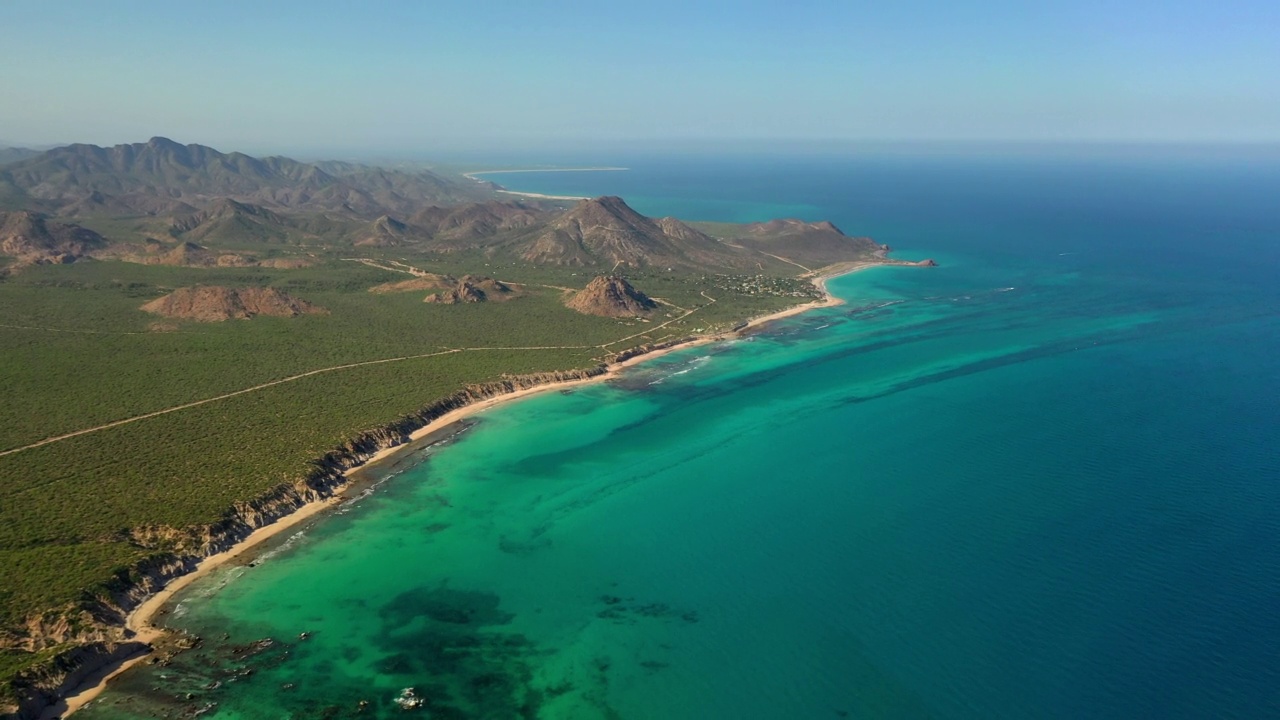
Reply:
x=1040 y=480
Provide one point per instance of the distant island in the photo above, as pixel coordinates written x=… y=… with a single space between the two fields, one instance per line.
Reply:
x=200 y=344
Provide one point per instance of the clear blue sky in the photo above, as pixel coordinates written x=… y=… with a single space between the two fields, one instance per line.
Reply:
x=317 y=76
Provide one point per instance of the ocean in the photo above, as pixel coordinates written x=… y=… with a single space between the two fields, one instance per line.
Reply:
x=1039 y=480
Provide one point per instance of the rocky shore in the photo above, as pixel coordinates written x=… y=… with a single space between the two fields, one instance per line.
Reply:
x=95 y=636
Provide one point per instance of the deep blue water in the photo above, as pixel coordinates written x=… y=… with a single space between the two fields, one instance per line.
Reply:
x=1040 y=480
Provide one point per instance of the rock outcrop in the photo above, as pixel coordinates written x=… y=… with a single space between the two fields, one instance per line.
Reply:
x=426 y=281
x=611 y=296
x=472 y=289
x=213 y=303
x=32 y=239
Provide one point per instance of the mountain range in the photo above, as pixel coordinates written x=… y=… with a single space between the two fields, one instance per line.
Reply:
x=162 y=177
x=200 y=197
x=14 y=154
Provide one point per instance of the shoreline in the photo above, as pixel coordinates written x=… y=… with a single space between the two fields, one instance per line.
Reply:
x=538 y=196
x=141 y=620
x=602 y=168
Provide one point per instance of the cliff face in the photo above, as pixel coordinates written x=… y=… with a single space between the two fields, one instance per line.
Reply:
x=96 y=627
x=42 y=688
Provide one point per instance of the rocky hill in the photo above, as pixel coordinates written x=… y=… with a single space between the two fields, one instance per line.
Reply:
x=611 y=296
x=32 y=239
x=813 y=244
x=386 y=231
x=472 y=289
x=212 y=303
x=14 y=154
x=602 y=232
x=606 y=231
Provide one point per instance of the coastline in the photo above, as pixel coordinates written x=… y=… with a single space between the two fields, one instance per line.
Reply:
x=602 y=168
x=538 y=196
x=141 y=620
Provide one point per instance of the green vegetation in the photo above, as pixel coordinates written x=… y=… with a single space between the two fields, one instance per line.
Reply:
x=122 y=432
x=78 y=354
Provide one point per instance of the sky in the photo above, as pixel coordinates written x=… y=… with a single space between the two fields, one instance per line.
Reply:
x=431 y=76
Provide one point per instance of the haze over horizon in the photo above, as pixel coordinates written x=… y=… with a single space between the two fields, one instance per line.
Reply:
x=336 y=78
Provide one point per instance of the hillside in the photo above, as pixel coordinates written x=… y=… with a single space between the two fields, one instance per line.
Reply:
x=32 y=239
x=458 y=228
x=809 y=244
x=427 y=281
x=14 y=154
x=233 y=201
x=386 y=231
x=137 y=176
x=229 y=221
x=605 y=231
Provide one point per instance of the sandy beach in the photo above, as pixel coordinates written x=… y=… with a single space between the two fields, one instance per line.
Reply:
x=473 y=173
x=141 y=621
x=540 y=196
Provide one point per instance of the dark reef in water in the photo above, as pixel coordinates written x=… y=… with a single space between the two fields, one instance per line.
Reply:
x=448 y=645
x=95 y=629
x=451 y=651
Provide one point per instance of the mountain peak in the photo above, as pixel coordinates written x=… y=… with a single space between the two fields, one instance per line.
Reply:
x=610 y=205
